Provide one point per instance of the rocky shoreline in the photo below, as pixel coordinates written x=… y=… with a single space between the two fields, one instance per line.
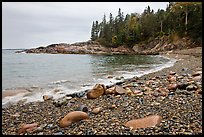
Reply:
x=174 y=94
x=89 y=47
x=150 y=47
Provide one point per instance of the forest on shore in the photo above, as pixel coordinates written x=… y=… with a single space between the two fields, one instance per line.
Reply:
x=180 y=19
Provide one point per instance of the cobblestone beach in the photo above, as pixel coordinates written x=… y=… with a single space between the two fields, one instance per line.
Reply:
x=173 y=93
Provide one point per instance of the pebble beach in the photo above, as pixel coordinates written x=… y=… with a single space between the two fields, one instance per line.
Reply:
x=174 y=93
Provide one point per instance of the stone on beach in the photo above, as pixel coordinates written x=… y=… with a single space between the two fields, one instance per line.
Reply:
x=172 y=86
x=71 y=117
x=149 y=121
x=110 y=90
x=197 y=73
x=82 y=108
x=27 y=127
x=97 y=91
x=172 y=73
x=197 y=78
x=119 y=90
x=116 y=90
x=97 y=110
x=47 y=97
x=172 y=78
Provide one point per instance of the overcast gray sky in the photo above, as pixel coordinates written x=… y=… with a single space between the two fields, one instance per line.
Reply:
x=34 y=24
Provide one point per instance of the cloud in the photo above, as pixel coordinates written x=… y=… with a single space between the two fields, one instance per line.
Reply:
x=29 y=24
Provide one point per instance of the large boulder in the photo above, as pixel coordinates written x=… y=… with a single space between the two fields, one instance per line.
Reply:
x=149 y=121
x=71 y=117
x=96 y=92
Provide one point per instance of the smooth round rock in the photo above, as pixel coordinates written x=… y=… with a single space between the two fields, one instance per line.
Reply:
x=73 y=116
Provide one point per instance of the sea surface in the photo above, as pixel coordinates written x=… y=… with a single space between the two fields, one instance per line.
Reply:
x=61 y=74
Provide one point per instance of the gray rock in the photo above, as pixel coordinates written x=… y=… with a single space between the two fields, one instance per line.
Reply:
x=82 y=108
x=58 y=133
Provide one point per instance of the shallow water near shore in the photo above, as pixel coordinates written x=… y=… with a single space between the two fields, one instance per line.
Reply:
x=61 y=74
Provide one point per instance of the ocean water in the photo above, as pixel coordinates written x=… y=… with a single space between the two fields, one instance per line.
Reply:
x=69 y=73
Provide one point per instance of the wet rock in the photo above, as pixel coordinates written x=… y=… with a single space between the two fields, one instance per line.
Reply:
x=60 y=102
x=71 y=117
x=149 y=121
x=96 y=92
x=27 y=127
x=82 y=108
x=47 y=97
x=97 y=110
x=119 y=90
x=110 y=90
x=172 y=86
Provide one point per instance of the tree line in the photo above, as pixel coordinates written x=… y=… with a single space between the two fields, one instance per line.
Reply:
x=180 y=18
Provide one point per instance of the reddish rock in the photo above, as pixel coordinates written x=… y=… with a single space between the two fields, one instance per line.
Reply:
x=110 y=90
x=97 y=110
x=137 y=91
x=73 y=116
x=27 y=127
x=96 y=92
x=171 y=78
x=172 y=86
x=149 y=121
x=119 y=90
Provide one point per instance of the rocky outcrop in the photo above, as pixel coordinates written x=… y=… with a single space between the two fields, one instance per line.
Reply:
x=89 y=47
x=151 y=47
